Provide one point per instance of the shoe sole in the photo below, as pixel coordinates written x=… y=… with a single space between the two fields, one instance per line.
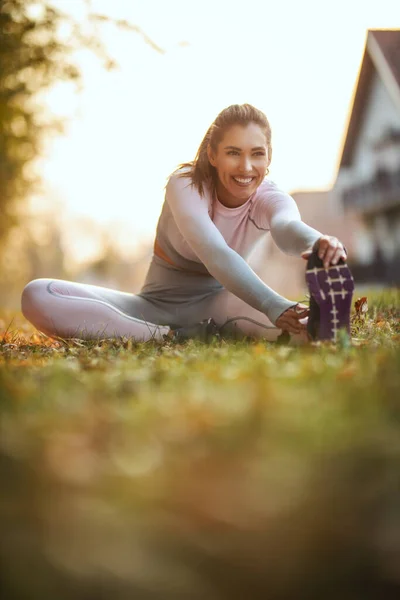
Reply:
x=332 y=289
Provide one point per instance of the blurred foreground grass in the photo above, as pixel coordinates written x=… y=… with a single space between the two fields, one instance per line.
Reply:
x=237 y=470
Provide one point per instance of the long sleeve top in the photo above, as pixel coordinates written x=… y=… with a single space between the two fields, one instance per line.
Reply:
x=200 y=234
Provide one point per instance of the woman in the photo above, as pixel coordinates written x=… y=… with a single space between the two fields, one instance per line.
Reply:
x=216 y=209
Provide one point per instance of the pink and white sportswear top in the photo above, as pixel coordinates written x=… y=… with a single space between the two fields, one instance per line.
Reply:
x=199 y=234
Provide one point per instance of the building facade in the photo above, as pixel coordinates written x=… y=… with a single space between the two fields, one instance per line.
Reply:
x=368 y=179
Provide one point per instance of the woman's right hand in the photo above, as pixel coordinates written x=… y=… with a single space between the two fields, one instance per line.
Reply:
x=290 y=319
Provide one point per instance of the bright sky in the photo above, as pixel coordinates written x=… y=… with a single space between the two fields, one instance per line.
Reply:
x=295 y=60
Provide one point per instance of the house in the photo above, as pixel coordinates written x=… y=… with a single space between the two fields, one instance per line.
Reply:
x=363 y=207
x=368 y=179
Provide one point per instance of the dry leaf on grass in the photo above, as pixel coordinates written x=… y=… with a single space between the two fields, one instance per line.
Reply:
x=361 y=307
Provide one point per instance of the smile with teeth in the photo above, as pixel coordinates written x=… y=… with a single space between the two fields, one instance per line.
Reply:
x=243 y=180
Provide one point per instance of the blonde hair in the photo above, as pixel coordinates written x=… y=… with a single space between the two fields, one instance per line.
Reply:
x=200 y=170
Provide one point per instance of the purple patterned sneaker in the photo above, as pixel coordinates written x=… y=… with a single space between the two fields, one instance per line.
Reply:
x=331 y=292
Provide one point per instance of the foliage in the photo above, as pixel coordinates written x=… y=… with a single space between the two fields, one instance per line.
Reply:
x=38 y=45
x=235 y=470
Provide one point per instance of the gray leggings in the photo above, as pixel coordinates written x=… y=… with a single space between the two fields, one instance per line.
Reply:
x=168 y=299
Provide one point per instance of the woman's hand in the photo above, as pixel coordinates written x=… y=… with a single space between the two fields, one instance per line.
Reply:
x=290 y=319
x=330 y=250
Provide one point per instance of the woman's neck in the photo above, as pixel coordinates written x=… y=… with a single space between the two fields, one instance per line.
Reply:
x=226 y=198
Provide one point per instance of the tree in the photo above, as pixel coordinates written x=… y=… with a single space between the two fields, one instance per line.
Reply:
x=33 y=56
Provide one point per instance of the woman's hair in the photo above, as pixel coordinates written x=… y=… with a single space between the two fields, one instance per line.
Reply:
x=200 y=169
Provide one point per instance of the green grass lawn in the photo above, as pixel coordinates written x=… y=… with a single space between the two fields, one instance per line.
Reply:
x=234 y=470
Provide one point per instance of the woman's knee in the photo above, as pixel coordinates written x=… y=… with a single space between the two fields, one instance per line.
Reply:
x=32 y=298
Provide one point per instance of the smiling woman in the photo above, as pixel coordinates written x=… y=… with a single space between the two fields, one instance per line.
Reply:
x=239 y=169
x=246 y=150
x=216 y=209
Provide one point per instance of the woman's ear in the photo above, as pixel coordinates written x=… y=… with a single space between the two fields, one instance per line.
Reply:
x=210 y=155
x=269 y=162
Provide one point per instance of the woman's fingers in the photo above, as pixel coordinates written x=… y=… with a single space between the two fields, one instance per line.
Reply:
x=340 y=253
x=288 y=326
x=330 y=250
x=290 y=319
x=285 y=324
x=326 y=250
x=301 y=308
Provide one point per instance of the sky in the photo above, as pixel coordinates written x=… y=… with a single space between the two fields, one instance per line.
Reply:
x=297 y=61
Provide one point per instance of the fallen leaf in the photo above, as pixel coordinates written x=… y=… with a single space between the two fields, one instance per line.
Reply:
x=361 y=307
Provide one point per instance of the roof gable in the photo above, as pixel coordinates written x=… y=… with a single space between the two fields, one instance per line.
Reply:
x=381 y=54
x=389 y=44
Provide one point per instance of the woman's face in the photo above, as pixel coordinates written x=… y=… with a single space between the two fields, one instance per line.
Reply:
x=241 y=162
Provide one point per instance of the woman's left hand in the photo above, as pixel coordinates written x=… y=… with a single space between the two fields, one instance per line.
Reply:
x=290 y=319
x=330 y=250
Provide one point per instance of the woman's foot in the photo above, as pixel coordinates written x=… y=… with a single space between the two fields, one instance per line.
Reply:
x=331 y=292
x=204 y=331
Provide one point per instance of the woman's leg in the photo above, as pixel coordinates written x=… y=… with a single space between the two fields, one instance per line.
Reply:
x=225 y=306
x=74 y=310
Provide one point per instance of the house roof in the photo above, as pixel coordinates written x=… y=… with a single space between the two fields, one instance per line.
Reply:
x=389 y=43
x=381 y=54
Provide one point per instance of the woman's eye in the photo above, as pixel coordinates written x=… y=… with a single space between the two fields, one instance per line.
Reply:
x=236 y=153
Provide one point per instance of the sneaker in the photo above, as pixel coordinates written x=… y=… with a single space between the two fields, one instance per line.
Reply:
x=331 y=292
x=203 y=331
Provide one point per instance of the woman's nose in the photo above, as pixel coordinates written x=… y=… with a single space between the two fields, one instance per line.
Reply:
x=245 y=164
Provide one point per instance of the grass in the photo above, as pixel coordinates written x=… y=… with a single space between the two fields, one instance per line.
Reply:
x=235 y=470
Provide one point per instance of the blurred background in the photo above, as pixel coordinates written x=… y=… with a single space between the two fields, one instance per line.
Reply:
x=100 y=101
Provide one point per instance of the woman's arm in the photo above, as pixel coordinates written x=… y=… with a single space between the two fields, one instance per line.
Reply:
x=295 y=237
x=190 y=212
x=289 y=232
